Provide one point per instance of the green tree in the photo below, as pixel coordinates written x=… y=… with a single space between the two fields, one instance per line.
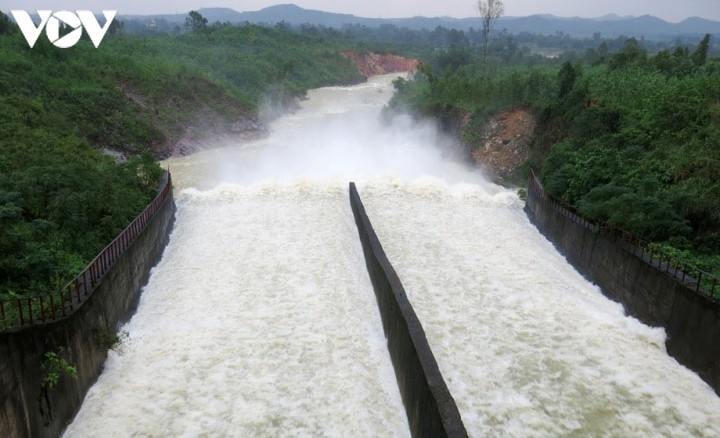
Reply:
x=196 y=23
x=699 y=56
x=632 y=52
x=6 y=26
x=567 y=77
x=117 y=28
x=490 y=11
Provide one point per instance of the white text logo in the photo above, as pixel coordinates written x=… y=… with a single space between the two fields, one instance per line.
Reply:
x=74 y=20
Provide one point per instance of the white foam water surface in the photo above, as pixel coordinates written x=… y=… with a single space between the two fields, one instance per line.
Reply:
x=260 y=319
x=527 y=346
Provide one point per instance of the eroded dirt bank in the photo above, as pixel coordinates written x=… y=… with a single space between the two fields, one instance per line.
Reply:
x=371 y=64
x=502 y=144
x=205 y=128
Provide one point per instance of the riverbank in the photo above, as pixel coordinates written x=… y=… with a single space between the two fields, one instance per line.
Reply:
x=209 y=129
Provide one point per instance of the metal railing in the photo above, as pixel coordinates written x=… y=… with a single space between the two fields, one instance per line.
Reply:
x=22 y=311
x=695 y=278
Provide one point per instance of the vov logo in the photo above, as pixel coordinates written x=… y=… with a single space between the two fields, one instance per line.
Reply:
x=50 y=21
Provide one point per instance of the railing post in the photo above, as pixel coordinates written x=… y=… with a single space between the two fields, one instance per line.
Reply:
x=30 y=312
x=42 y=309
x=20 y=312
x=62 y=303
x=699 y=281
x=86 y=291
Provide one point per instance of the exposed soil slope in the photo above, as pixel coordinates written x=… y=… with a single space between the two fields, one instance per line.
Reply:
x=190 y=125
x=371 y=64
x=505 y=144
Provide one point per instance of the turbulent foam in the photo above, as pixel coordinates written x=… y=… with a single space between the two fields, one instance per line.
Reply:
x=526 y=345
x=260 y=318
x=257 y=321
x=337 y=136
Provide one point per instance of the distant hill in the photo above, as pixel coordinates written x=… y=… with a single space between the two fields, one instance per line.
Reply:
x=608 y=26
x=647 y=26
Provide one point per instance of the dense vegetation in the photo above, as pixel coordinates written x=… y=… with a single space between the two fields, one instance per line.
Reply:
x=62 y=199
x=628 y=134
x=627 y=138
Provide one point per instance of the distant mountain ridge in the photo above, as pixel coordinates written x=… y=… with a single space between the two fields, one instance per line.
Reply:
x=608 y=26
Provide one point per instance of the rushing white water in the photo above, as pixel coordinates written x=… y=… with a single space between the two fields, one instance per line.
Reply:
x=526 y=345
x=260 y=319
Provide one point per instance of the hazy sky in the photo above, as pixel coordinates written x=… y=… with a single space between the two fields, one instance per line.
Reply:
x=671 y=10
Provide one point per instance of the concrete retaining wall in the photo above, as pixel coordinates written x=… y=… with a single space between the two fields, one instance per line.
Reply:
x=691 y=320
x=29 y=410
x=430 y=408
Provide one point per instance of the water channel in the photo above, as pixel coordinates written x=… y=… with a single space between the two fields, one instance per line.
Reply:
x=260 y=319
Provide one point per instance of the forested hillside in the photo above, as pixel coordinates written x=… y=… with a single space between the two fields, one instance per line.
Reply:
x=62 y=198
x=628 y=138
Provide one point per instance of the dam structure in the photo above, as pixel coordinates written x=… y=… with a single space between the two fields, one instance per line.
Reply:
x=261 y=318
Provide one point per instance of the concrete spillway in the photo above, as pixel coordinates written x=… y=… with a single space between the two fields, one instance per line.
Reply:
x=260 y=318
x=257 y=321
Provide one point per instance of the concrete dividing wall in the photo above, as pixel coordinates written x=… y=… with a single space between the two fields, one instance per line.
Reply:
x=691 y=320
x=430 y=408
x=29 y=410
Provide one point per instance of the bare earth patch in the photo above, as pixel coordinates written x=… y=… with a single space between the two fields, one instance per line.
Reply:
x=505 y=144
x=371 y=64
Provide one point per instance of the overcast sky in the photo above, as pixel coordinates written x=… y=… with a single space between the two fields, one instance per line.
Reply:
x=670 y=10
